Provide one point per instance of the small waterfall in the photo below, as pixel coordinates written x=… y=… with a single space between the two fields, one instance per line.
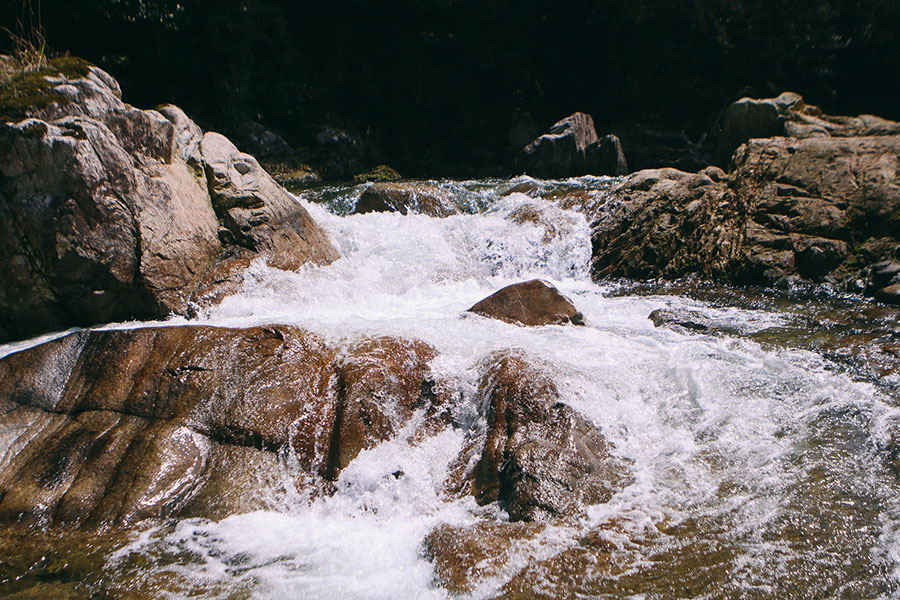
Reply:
x=756 y=466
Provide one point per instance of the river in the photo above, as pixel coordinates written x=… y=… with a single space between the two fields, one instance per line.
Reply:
x=759 y=460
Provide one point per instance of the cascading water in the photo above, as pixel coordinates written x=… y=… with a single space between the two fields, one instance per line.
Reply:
x=756 y=467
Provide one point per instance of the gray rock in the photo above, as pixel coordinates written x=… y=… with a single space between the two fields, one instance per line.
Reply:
x=570 y=148
x=109 y=213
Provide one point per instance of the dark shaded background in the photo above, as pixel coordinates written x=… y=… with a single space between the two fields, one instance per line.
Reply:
x=455 y=87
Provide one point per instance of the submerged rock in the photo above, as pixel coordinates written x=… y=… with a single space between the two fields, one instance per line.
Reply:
x=103 y=428
x=110 y=213
x=407 y=199
x=538 y=458
x=688 y=319
x=530 y=303
x=463 y=557
x=570 y=148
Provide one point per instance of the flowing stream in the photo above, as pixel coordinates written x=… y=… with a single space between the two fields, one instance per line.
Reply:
x=759 y=462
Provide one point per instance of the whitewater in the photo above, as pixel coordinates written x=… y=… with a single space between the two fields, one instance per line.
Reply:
x=758 y=469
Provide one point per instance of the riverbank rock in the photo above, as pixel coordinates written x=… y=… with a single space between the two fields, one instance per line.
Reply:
x=406 y=199
x=788 y=115
x=530 y=303
x=106 y=428
x=572 y=147
x=539 y=458
x=815 y=209
x=110 y=213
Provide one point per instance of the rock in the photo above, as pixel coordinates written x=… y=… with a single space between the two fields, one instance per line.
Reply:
x=379 y=173
x=572 y=148
x=606 y=157
x=530 y=303
x=94 y=233
x=539 y=457
x=688 y=319
x=260 y=214
x=382 y=381
x=789 y=115
x=110 y=213
x=790 y=209
x=109 y=427
x=463 y=557
x=407 y=198
x=889 y=294
x=263 y=142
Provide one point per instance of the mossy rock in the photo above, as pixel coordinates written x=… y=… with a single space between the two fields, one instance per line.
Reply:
x=28 y=92
x=379 y=173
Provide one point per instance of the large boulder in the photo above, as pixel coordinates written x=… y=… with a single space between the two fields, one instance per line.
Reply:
x=108 y=212
x=789 y=115
x=538 y=457
x=815 y=209
x=102 y=428
x=529 y=303
x=570 y=148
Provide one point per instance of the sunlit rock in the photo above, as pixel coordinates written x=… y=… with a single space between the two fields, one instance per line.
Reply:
x=529 y=303
x=788 y=115
x=463 y=557
x=539 y=458
x=103 y=428
x=110 y=213
x=382 y=382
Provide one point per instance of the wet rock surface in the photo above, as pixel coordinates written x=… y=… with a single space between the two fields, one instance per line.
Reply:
x=407 y=199
x=108 y=428
x=109 y=213
x=538 y=457
x=530 y=303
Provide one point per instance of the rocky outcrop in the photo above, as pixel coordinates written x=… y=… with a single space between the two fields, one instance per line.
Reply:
x=572 y=147
x=108 y=212
x=539 y=458
x=788 y=115
x=530 y=303
x=104 y=428
x=406 y=199
x=815 y=209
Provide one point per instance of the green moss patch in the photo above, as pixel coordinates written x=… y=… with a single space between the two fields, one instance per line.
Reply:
x=27 y=92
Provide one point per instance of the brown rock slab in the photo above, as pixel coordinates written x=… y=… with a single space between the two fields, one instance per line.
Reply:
x=530 y=303
x=538 y=458
x=106 y=428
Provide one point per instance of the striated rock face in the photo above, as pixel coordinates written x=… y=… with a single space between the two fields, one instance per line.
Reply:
x=538 y=457
x=530 y=303
x=104 y=428
x=108 y=212
x=788 y=115
x=572 y=148
x=816 y=209
x=407 y=199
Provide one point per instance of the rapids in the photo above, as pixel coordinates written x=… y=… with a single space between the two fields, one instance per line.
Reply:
x=759 y=467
